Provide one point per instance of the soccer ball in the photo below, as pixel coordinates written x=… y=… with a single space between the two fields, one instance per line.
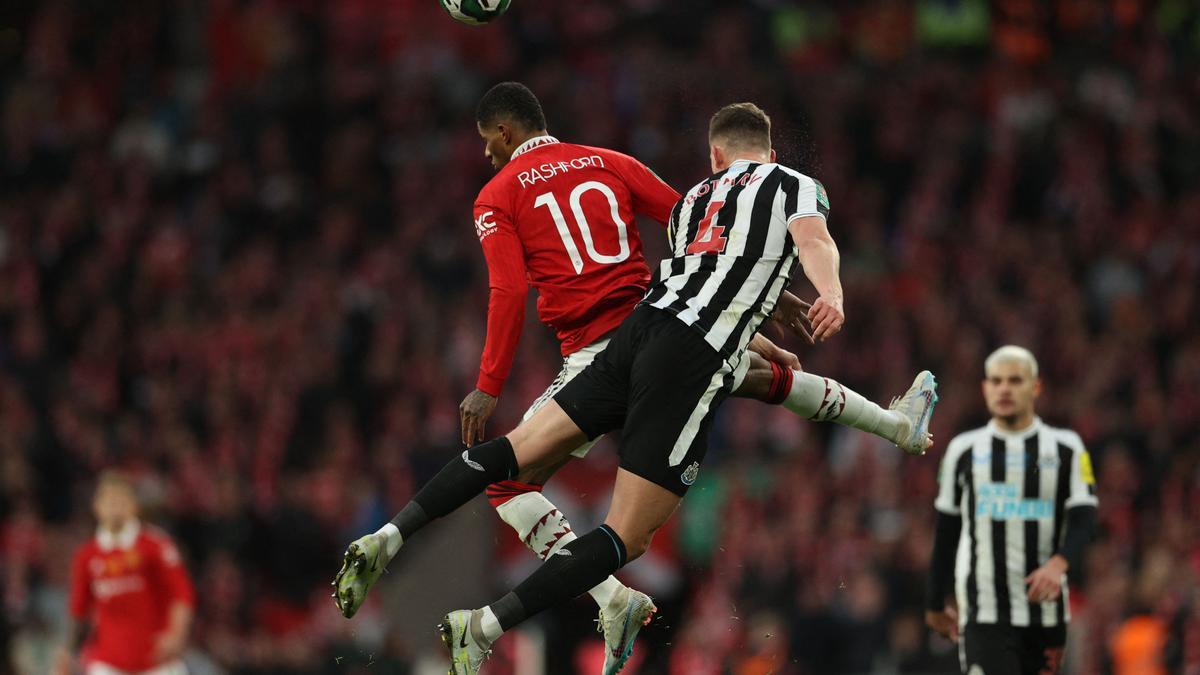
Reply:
x=475 y=12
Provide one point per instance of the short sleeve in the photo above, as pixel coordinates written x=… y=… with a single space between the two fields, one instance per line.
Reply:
x=807 y=197
x=1082 y=490
x=949 y=496
x=177 y=583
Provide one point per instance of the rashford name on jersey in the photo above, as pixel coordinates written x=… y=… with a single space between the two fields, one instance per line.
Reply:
x=549 y=170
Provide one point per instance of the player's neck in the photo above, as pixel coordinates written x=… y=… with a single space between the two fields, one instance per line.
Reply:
x=756 y=157
x=116 y=527
x=1015 y=423
x=519 y=140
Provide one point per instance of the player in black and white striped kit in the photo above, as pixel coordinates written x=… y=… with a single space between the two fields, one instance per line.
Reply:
x=1016 y=506
x=732 y=255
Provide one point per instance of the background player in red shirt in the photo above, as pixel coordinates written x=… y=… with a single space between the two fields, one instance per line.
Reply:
x=130 y=583
x=560 y=217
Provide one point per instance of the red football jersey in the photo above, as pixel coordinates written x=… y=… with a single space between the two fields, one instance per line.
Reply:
x=127 y=584
x=560 y=217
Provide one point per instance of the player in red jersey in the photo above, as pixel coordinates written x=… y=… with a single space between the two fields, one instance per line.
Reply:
x=560 y=217
x=130 y=582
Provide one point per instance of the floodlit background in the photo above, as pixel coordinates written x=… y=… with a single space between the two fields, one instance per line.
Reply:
x=237 y=259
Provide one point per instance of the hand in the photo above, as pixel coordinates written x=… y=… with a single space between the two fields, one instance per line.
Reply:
x=474 y=412
x=63 y=663
x=1045 y=583
x=826 y=317
x=944 y=623
x=169 y=646
x=770 y=351
x=791 y=314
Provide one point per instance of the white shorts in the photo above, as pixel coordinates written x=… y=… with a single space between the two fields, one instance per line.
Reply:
x=573 y=365
x=101 y=668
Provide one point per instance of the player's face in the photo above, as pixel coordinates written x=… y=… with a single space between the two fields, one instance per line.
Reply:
x=1010 y=390
x=496 y=144
x=114 y=506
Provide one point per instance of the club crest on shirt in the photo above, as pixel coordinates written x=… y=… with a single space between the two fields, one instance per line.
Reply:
x=690 y=473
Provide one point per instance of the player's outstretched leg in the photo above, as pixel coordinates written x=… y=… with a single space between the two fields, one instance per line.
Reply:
x=544 y=529
x=460 y=480
x=639 y=508
x=545 y=439
x=822 y=399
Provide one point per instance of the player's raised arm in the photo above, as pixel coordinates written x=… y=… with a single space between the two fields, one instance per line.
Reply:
x=506 y=314
x=818 y=255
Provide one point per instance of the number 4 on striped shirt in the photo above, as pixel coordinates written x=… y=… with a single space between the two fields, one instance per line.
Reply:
x=708 y=238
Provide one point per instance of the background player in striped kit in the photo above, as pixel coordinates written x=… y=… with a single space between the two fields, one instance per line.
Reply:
x=1016 y=506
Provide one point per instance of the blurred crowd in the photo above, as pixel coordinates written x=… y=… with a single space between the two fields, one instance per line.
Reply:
x=237 y=260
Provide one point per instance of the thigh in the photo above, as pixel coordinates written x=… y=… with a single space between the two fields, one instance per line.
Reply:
x=1042 y=649
x=573 y=365
x=639 y=507
x=597 y=398
x=990 y=649
x=544 y=440
x=677 y=384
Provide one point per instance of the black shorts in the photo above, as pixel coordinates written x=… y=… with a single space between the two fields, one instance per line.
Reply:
x=660 y=382
x=995 y=649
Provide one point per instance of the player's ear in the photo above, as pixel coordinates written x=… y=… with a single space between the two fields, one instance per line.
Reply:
x=715 y=157
x=772 y=155
x=1037 y=387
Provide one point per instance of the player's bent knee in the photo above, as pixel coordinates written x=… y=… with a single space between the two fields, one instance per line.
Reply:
x=636 y=540
x=545 y=440
x=539 y=474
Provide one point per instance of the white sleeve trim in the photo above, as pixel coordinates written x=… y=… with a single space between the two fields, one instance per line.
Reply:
x=947 y=484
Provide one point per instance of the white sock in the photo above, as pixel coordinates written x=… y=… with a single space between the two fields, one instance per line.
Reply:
x=391 y=539
x=490 y=625
x=544 y=529
x=824 y=400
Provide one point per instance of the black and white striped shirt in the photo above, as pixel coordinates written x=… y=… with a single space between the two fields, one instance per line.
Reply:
x=732 y=253
x=1012 y=490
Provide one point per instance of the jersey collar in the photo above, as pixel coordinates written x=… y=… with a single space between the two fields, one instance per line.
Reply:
x=121 y=540
x=1020 y=435
x=535 y=142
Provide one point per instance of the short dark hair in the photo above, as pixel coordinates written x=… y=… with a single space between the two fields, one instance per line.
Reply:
x=511 y=101
x=743 y=125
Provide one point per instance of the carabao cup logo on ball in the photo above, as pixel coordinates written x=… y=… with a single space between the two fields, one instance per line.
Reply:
x=475 y=12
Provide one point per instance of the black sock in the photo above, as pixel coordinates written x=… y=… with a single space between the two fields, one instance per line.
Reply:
x=586 y=562
x=461 y=479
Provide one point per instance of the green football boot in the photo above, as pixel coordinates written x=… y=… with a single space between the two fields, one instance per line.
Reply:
x=365 y=561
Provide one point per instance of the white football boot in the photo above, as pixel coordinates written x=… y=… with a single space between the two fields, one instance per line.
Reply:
x=467 y=653
x=620 y=622
x=916 y=405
